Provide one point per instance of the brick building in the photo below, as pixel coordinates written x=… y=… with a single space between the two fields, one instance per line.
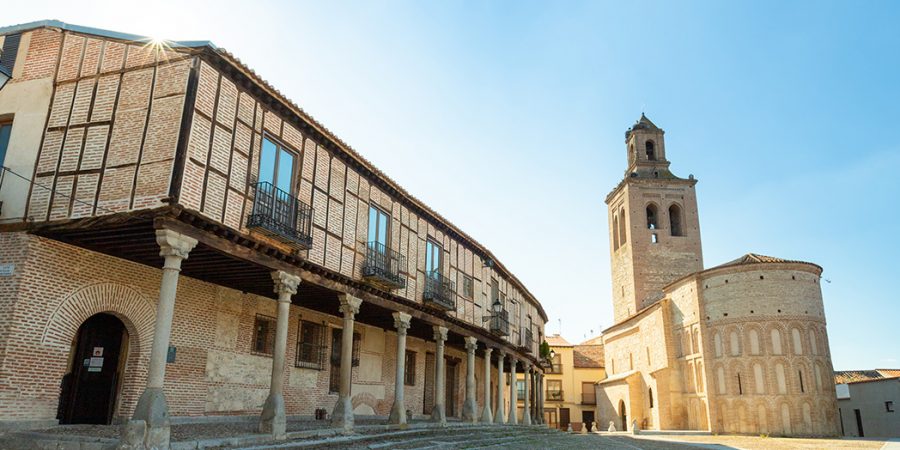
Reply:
x=179 y=239
x=737 y=348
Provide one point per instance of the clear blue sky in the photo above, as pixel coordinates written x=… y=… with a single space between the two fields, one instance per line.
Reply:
x=508 y=118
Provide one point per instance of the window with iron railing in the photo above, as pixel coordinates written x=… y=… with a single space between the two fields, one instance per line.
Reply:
x=263 y=335
x=409 y=374
x=281 y=216
x=499 y=322
x=311 y=346
x=440 y=291
x=383 y=266
x=520 y=390
x=556 y=364
x=554 y=392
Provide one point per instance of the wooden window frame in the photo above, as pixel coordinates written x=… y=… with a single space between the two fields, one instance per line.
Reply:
x=318 y=350
x=270 y=336
x=280 y=145
x=409 y=370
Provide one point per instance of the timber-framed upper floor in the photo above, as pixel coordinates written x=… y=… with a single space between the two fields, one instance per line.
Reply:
x=112 y=135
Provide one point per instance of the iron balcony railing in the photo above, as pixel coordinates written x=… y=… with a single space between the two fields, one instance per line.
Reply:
x=280 y=216
x=499 y=323
x=527 y=340
x=555 y=396
x=383 y=267
x=440 y=291
x=588 y=398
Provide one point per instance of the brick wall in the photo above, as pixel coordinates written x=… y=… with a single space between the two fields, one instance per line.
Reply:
x=112 y=130
x=56 y=287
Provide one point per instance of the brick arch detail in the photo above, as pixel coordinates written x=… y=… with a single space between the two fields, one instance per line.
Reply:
x=127 y=304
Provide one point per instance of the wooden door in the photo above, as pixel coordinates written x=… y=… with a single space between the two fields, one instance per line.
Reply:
x=89 y=392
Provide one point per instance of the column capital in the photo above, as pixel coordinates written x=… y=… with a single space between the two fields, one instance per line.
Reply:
x=440 y=334
x=349 y=305
x=488 y=350
x=401 y=321
x=285 y=283
x=471 y=343
x=175 y=244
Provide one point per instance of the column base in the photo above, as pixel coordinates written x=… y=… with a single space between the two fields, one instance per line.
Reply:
x=526 y=420
x=438 y=414
x=470 y=411
x=273 y=420
x=513 y=418
x=150 y=420
x=487 y=416
x=342 y=415
x=500 y=417
x=398 y=414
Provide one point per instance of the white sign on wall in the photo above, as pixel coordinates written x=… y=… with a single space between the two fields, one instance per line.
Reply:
x=7 y=270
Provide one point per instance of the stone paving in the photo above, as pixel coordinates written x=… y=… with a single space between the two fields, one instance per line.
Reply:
x=770 y=443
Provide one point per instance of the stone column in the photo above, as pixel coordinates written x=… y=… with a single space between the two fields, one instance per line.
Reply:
x=526 y=414
x=438 y=414
x=540 y=394
x=487 y=416
x=273 y=420
x=342 y=416
x=398 y=411
x=500 y=416
x=151 y=415
x=513 y=418
x=470 y=406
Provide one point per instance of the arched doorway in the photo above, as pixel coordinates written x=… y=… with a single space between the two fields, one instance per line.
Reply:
x=622 y=416
x=89 y=389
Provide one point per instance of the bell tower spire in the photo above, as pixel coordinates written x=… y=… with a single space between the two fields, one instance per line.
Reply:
x=653 y=221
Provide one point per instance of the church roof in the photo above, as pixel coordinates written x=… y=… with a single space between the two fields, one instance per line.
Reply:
x=858 y=376
x=754 y=258
x=555 y=340
x=642 y=124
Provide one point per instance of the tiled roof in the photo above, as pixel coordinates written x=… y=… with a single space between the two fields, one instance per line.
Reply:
x=588 y=356
x=596 y=340
x=754 y=258
x=857 y=376
x=555 y=340
x=233 y=60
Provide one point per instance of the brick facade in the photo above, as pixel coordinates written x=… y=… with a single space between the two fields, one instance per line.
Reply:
x=134 y=134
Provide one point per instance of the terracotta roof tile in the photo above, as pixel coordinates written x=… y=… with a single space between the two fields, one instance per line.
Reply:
x=555 y=340
x=857 y=376
x=588 y=356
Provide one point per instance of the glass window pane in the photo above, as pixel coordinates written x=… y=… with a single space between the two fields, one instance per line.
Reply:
x=429 y=249
x=285 y=171
x=382 y=228
x=267 y=161
x=5 y=131
x=373 y=223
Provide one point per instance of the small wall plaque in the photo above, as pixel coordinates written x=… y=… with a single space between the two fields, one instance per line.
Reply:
x=7 y=270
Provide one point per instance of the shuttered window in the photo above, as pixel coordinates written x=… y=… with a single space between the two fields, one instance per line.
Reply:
x=10 y=51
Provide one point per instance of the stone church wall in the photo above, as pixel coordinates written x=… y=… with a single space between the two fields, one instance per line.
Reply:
x=769 y=361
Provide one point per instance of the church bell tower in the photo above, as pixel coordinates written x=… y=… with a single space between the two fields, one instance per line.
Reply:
x=653 y=221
